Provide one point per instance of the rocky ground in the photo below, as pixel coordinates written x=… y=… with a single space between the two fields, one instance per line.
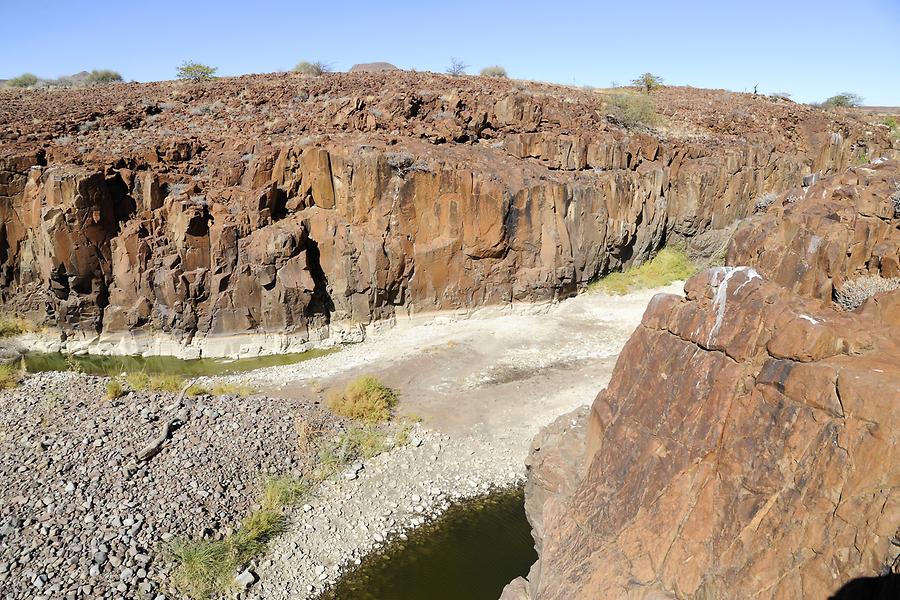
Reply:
x=80 y=520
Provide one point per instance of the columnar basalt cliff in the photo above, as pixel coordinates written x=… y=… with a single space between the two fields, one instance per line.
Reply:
x=283 y=204
x=747 y=444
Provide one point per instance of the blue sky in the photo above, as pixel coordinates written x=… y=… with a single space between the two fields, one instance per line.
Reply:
x=811 y=49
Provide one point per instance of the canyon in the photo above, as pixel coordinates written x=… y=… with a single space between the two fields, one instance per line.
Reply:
x=292 y=210
x=744 y=439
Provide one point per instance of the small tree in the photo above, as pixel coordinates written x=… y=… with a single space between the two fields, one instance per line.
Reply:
x=25 y=80
x=494 y=71
x=193 y=71
x=648 y=82
x=843 y=100
x=312 y=68
x=457 y=67
x=102 y=77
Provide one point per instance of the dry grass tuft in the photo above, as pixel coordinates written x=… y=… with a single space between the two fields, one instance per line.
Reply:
x=364 y=399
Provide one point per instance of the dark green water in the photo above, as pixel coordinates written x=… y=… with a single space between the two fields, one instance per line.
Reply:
x=469 y=553
x=36 y=362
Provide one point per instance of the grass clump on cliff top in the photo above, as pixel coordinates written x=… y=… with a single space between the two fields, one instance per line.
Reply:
x=314 y=69
x=232 y=389
x=668 y=265
x=633 y=109
x=494 y=71
x=364 y=399
x=25 y=80
x=102 y=77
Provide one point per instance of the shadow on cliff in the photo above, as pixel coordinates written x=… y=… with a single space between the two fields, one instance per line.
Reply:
x=321 y=302
x=885 y=587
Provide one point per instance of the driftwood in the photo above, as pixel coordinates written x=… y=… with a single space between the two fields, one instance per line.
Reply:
x=153 y=447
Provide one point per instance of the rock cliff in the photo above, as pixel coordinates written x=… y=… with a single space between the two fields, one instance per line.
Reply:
x=283 y=204
x=747 y=444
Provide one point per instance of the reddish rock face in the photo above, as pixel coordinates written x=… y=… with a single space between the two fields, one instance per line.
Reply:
x=747 y=445
x=283 y=203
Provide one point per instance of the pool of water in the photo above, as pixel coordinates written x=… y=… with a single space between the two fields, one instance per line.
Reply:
x=469 y=553
x=36 y=362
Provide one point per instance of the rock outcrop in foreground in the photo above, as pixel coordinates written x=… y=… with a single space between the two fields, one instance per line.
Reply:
x=280 y=204
x=747 y=445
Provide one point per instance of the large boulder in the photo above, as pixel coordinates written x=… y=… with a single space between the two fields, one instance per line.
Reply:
x=747 y=444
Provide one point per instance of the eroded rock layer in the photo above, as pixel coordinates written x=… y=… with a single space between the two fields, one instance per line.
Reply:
x=747 y=444
x=284 y=204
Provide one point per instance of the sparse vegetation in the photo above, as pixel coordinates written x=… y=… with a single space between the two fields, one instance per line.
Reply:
x=312 y=68
x=364 y=399
x=457 y=67
x=140 y=380
x=232 y=389
x=854 y=292
x=193 y=71
x=114 y=389
x=25 y=80
x=648 y=82
x=10 y=376
x=494 y=71
x=11 y=326
x=633 y=109
x=102 y=77
x=197 y=390
x=893 y=125
x=669 y=264
x=206 y=568
x=843 y=100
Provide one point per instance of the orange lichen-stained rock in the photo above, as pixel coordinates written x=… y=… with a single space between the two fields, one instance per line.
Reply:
x=839 y=228
x=748 y=444
x=715 y=469
x=145 y=208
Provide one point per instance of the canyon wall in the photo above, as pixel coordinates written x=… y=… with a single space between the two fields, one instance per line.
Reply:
x=284 y=205
x=747 y=444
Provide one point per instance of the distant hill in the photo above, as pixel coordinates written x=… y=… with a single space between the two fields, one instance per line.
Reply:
x=373 y=67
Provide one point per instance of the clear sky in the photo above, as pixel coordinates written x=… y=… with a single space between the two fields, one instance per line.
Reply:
x=811 y=49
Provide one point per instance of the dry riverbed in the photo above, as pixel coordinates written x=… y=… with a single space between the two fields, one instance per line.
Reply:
x=79 y=518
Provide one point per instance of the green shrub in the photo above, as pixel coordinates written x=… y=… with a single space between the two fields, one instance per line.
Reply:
x=102 y=77
x=648 y=82
x=843 y=100
x=493 y=71
x=667 y=266
x=25 y=80
x=114 y=389
x=193 y=71
x=10 y=376
x=364 y=399
x=634 y=109
x=312 y=68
